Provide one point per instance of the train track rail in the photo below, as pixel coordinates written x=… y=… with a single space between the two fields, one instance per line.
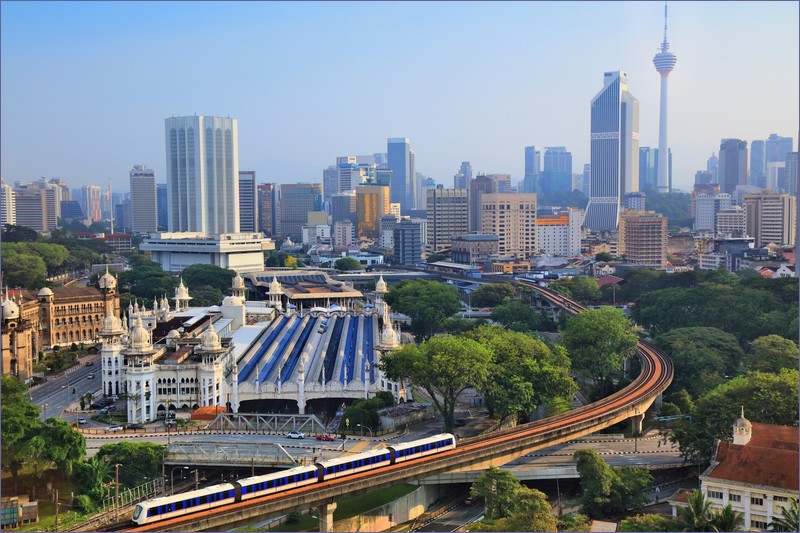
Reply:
x=655 y=376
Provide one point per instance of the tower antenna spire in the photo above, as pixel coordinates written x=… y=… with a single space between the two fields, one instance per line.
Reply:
x=665 y=20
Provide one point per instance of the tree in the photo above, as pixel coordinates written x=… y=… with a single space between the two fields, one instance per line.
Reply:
x=788 y=521
x=520 y=316
x=140 y=460
x=348 y=264
x=498 y=489
x=525 y=373
x=771 y=353
x=291 y=262
x=491 y=294
x=20 y=424
x=443 y=366
x=647 y=522
x=14 y=233
x=603 y=256
x=599 y=341
x=92 y=474
x=23 y=269
x=581 y=288
x=65 y=446
x=528 y=509
x=435 y=258
x=702 y=357
x=696 y=515
x=607 y=491
x=208 y=277
x=767 y=398
x=428 y=303
x=727 y=519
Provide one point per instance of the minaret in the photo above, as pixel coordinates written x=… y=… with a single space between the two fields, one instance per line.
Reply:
x=664 y=62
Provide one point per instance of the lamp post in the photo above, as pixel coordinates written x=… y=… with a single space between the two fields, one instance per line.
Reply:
x=363 y=428
x=172 y=478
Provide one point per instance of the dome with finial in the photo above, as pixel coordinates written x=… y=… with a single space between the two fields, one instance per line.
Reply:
x=10 y=309
x=182 y=292
x=238 y=282
x=742 y=422
x=45 y=291
x=107 y=281
x=275 y=286
x=380 y=287
x=139 y=337
x=111 y=325
x=210 y=340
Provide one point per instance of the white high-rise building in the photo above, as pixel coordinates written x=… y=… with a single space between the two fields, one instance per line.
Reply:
x=664 y=62
x=248 y=201
x=706 y=207
x=203 y=174
x=144 y=200
x=614 y=151
x=8 y=209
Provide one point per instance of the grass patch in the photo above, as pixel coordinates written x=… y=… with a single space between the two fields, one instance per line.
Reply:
x=47 y=518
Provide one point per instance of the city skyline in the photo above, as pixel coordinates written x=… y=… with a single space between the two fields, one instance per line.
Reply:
x=471 y=81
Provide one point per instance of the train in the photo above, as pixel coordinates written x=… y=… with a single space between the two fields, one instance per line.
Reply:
x=224 y=494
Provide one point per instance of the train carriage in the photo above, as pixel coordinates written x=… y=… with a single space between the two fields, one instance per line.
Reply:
x=420 y=448
x=185 y=503
x=256 y=486
x=351 y=464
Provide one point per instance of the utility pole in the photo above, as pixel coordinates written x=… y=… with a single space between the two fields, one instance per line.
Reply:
x=196 y=479
x=116 y=486
x=56 y=524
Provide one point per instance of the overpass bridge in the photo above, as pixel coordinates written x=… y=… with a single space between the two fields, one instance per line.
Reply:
x=476 y=453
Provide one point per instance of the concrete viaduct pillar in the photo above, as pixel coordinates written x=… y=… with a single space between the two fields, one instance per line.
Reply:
x=636 y=423
x=326 y=516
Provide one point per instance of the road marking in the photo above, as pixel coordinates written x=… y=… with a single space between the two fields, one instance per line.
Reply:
x=358 y=447
x=379 y=446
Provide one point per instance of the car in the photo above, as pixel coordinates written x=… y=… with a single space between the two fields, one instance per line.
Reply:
x=112 y=407
x=89 y=363
x=90 y=376
x=81 y=420
x=472 y=500
x=326 y=436
x=96 y=405
x=114 y=428
x=296 y=435
x=170 y=422
x=134 y=426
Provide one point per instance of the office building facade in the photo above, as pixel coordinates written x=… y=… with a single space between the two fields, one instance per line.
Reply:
x=203 y=174
x=407 y=242
x=706 y=208
x=372 y=202
x=560 y=234
x=771 y=218
x=479 y=186
x=614 y=147
x=401 y=162
x=557 y=173
x=8 y=205
x=144 y=200
x=266 y=208
x=732 y=170
x=248 y=201
x=530 y=181
x=163 y=206
x=295 y=201
x=90 y=202
x=512 y=217
x=448 y=215
x=643 y=238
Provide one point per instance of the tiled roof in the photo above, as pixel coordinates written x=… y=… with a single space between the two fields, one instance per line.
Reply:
x=609 y=280
x=769 y=459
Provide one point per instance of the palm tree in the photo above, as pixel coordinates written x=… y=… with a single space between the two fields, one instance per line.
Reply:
x=789 y=520
x=727 y=520
x=696 y=516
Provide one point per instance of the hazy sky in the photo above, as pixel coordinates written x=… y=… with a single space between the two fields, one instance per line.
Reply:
x=86 y=86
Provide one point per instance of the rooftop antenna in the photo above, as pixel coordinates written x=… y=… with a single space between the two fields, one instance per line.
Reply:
x=665 y=20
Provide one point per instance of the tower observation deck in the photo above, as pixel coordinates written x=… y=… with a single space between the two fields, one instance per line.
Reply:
x=664 y=62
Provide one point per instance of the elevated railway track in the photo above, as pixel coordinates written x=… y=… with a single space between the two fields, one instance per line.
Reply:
x=470 y=454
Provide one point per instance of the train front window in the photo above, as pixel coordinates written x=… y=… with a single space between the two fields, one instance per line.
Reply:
x=137 y=512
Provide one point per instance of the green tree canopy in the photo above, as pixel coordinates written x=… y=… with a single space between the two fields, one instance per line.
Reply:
x=491 y=294
x=647 y=522
x=208 y=277
x=525 y=373
x=607 y=491
x=788 y=520
x=581 y=288
x=702 y=356
x=510 y=506
x=771 y=353
x=348 y=264
x=443 y=366
x=24 y=270
x=428 y=303
x=14 y=233
x=140 y=460
x=599 y=341
x=20 y=424
x=767 y=398
x=520 y=316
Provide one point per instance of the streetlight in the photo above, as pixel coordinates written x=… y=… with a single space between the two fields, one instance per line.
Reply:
x=363 y=428
x=172 y=478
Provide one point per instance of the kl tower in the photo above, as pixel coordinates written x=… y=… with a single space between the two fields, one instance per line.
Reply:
x=664 y=62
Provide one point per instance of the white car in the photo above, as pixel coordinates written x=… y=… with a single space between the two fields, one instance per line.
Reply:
x=296 y=435
x=114 y=428
x=81 y=420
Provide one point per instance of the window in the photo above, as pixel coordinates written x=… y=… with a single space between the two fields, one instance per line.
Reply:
x=780 y=498
x=758 y=524
x=715 y=494
x=756 y=500
x=735 y=497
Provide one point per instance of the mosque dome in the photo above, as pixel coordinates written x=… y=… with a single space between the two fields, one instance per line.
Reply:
x=238 y=282
x=210 y=340
x=231 y=300
x=139 y=336
x=45 y=292
x=380 y=287
x=275 y=286
x=10 y=309
x=111 y=325
x=107 y=281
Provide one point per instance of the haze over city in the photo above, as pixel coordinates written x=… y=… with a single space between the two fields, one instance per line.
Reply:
x=86 y=86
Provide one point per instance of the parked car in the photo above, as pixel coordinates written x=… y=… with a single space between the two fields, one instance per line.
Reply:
x=326 y=436
x=104 y=410
x=296 y=435
x=134 y=426
x=90 y=376
x=81 y=420
x=114 y=428
x=112 y=407
x=170 y=422
x=89 y=363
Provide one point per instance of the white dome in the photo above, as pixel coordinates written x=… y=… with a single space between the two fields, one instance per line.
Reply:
x=231 y=300
x=139 y=336
x=380 y=287
x=111 y=325
x=210 y=339
x=215 y=309
x=45 y=292
x=173 y=334
x=238 y=282
x=10 y=309
x=275 y=286
x=107 y=281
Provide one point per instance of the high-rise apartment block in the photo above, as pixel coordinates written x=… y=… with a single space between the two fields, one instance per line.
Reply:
x=732 y=169
x=643 y=238
x=401 y=162
x=771 y=218
x=344 y=233
x=31 y=208
x=512 y=217
x=8 y=205
x=560 y=234
x=731 y=223
x=614 y=151
x=296 y=201
x=448 y=215
x=387 y=224
x=706 y=208
x=248 y=201
x=372 y=202
x=144 y=200
x=407 y=242
x=90 y=202
x=479 y=186
x=203 y=174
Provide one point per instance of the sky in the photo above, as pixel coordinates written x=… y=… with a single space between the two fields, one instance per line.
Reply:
x=85 y=86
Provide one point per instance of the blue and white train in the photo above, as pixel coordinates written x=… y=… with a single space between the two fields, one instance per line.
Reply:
x=254 y=487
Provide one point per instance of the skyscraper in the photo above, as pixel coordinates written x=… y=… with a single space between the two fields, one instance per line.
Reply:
x=8 y=211
x=477 y=187
x=400 y=157
x=163 y=206
x=248 y=201
x=329 y=181
x=512 y=217
x=144 y=200
x=266 y=211
x=295 y=202
x=530 y=183
x=732 y=170
x=464 y=176
x=90 y=202
x=407 y=242
x=614 y=151
x=203 y=174
x=448 y=215
x=372 y=202
x=664 y=62
x=557 y=173
x=758 y=163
